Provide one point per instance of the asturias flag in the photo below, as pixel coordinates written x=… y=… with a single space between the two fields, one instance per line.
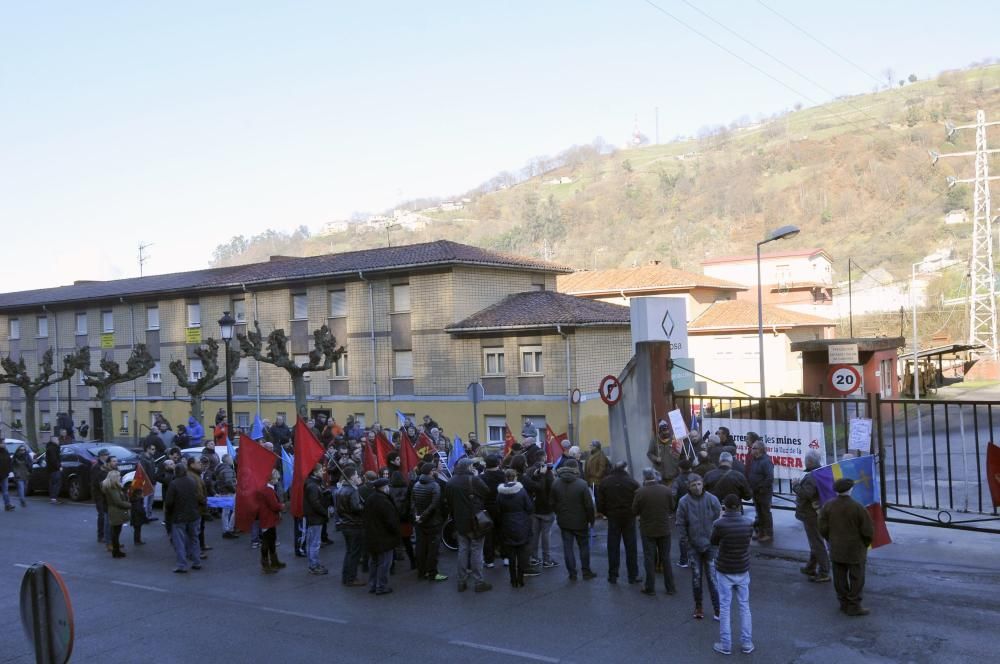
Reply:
x=308 y=452
x=254 y=471
x=257 y=430
x=508 y=440
x=866 y=490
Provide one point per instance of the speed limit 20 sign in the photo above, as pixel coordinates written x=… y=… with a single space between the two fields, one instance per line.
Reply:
x=845 y=379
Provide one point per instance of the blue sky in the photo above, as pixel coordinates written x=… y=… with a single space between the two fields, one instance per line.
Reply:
x=186 y=123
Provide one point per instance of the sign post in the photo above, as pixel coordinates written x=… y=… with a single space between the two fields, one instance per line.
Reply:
x=46 y=614
x=475 y=392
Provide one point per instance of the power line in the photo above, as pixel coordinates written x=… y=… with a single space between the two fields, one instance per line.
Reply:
x=820 y=42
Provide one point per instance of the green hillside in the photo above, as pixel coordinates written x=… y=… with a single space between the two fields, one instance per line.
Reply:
x=854 y=174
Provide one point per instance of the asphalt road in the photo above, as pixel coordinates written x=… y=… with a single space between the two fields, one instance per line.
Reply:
x=135 y=609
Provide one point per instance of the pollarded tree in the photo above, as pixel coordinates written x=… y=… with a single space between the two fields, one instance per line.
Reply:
x=16 y=374
x=138 y=365
x=274 y=350
x=210 y=377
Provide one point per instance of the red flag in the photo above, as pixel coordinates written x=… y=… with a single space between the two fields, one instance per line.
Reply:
x=425 y=445
x=308 y=452
x=508 y=440
x=368 y=460
x=141 y=482
x=553 y=445
x=408 y=459
x=881 y=535
x=253 y=472
x=382 y=449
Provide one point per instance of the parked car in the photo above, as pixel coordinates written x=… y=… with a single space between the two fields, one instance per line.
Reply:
x=12 y=444
x=186 y=453
x=77 y=461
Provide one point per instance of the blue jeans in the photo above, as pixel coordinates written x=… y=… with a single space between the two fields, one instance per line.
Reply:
x=5 y=490
x=313 y=536
x=147 y=504
x=227 y=519
x=740 y=584
x=378 y=570
x=185 y=540
x=55 y=484
x=352 y=554
x=22 y=490
x=703 y=568
x=582 y=539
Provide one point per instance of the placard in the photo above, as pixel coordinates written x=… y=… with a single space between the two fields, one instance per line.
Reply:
x=192 y=335
x=677 y=424
x=786 y=442
x=860 y=437
x=842 y=354
x=107 y=340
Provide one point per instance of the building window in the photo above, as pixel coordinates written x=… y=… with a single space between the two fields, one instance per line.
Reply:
x=153 y=414
x=154 y=374
x=81 y=377
x=400 y=298
x=43 y=326
x=302 y=360
x=404 y=364
x=152 y=318
x=300 y=306
x=338 y=303
x=242 y=420
x=14 y=328
x=45 y=420
x=493 y=362
x=494 y=429
x=242 y=372
x=194 y=315
x=107 y=321
x=16 y=417
x=81 y=324
x=531 y=359
x=197 y=370
x=124 y=420
x=538 y=287
x=339 y=367
x=240 y=311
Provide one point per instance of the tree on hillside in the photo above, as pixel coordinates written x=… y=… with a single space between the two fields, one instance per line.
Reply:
x=274 y=350
x=912 y=78
x=138 y=365
x=16 y=374
x=210 y=377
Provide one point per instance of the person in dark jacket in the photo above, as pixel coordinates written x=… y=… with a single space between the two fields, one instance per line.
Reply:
x=20 y=465
x=399 y=491
x=705 y=464
x=137 y=513
x=428 y=512
x=493 y=477
x=846 y=524
x=280 y=434
x=316 y=510
x=53 y=466
x=148 y=462
x=466 y=495
x=182 y=511
x=696 y=513
x=225 y=485
x=515 y=508
x=615 y=494
x=760 y=475
x=351 y=526
x=381 y=535
x=537 y=481
x=269 y=509
x=118 y=510
x=807 y=511
x=726 y=479
x=654 y=505
x=680 y=490
x=732 y=534
x=97 y=475
x=574 y=509
x=5 y=466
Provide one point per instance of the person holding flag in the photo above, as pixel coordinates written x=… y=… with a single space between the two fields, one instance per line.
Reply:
x=139 y=490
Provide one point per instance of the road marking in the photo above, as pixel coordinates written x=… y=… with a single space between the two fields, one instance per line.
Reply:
x=298 y=614
x=505 y=651
x=139 y=586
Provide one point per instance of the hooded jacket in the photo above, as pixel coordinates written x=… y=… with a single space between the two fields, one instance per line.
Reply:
x=196 y=432
x=695 y=517
x=515 y=508
x=571 y=500
x=465 y=494
x=538 y=484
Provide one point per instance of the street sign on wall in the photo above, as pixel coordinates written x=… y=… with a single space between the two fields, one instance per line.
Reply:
x=842 y=354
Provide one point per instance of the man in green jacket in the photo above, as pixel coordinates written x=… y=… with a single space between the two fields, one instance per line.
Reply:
x=848 y=527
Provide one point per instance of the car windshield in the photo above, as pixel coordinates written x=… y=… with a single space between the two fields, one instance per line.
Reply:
x=113 y=450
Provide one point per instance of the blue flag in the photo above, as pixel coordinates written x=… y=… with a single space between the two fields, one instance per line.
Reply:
x=230 y=449
x=401 y=419
x=457 y=452
x=287 y=469
x=257 y=430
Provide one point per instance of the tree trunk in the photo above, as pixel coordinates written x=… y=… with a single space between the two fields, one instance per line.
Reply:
x=196 y=412
x=301 y=391
x=30 y=427
x=107 y=415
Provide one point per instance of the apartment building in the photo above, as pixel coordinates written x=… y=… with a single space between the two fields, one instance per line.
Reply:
x=420 y=323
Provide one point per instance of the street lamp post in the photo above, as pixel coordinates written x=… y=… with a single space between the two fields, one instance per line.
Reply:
x=226 y=326
x=777 y=234
x=916 y=378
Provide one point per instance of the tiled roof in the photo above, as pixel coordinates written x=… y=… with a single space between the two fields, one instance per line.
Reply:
x=645 y=278
x=441 y=252
x=542 y=309
x=737 y=314
x=774 y=254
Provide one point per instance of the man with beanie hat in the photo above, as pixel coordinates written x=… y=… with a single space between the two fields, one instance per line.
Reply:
x=732 y=534
x=653 y=504
x=574 y=508
x=614 y=500
x=428 y=515
x=848 y=527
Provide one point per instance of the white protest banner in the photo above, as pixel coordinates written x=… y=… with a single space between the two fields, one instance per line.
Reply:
x=677 y=424
x=860 y=437
x=787 y=442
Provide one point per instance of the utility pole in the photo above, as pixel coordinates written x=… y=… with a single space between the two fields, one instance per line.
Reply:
x=143 y=256
x=982 y=295
x=850 y=299
x=657 y=111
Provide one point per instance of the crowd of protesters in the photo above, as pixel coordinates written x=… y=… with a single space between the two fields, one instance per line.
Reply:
x=498 y=505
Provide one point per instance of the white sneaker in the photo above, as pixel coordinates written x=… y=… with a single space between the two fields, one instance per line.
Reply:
x=506 y=562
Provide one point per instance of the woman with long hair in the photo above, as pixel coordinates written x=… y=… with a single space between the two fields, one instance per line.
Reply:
x=119 y=509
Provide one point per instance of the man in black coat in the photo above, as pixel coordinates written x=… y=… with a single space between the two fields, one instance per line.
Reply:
x=315 y=507
x=732 y=534
x=807 y=511
x=654 y=505
x=493 y=478
x=381 y=535
x=428 y=516
x=466 y=495
x=760 y=476
x=574 y=508
x=846 y=524
x=726 y=479
x=614 y=500
x=53 y=466
x=4 y=472
x=182 y=511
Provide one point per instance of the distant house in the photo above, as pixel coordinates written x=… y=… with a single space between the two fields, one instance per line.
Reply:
x=451 y=206
x=563 y=180
x=956 y=217
x=331 y=227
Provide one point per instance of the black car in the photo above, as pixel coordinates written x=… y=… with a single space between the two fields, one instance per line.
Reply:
x=77 y=461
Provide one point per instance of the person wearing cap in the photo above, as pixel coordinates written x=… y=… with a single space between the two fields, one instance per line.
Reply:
x=653 y=504
x=663 y=455
x=760 y=476
x=848 y=527
x=381 y=535
x=695 y=517
x=428 y=517
x=574 y=508
x=732 y=534
x=597 y=464
x=615 y=495
x=97 y=475
x=725 y=480
x=807 y=511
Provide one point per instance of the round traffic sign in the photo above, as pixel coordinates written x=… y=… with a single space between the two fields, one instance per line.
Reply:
x=611 y=390
x=844 y=378
x=47 y=614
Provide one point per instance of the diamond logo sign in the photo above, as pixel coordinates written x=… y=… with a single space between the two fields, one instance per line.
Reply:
x=667 y=324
